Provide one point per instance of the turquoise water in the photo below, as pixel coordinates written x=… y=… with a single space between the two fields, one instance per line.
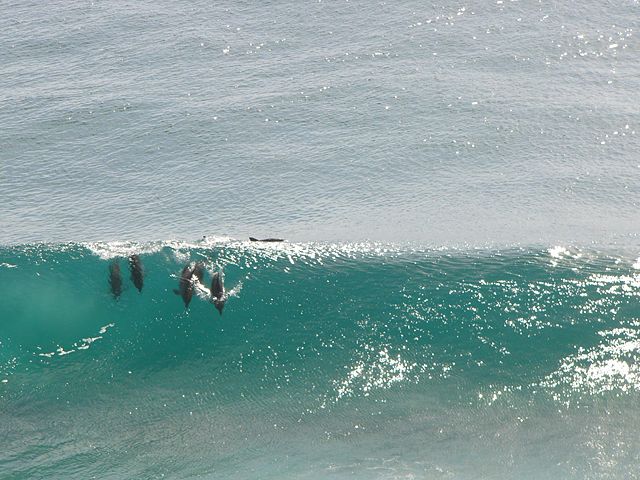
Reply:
x=329 y=361
x=458 y=183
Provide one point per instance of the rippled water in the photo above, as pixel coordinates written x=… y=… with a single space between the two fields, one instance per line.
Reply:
x=461 y=122
x=459 y=183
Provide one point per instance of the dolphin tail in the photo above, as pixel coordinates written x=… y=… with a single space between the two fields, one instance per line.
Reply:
x=219 y=304
x=176 y=291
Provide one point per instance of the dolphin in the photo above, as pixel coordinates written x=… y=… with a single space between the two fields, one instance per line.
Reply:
x=185 y=287
x=217 y=291
x=137 y=271
x=115 y=279
x=253 y=239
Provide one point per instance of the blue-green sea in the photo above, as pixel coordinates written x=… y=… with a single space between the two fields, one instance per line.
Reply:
x=329 y=361
x=457 y=184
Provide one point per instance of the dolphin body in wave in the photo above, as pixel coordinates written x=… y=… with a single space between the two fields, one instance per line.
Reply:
x=115 y=279
x=253 y=239
x=217 y=291
x=137 y=271
x=185 y=287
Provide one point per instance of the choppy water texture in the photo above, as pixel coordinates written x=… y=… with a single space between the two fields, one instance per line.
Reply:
x=471 y=136
x=464 y=122
x=330 y=361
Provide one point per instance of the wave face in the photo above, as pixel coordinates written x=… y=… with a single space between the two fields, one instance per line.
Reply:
x=345 y=361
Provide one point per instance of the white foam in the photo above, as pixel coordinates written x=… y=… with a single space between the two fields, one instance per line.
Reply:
x=83 y=344
x=104 y=329
x=109 y=250
x=235 y=291
x=558 y=251
x=201 y=290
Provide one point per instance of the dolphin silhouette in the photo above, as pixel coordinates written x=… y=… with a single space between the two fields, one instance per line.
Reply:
x=137 y=271
x=115 y=279
x=217 y=291
x=185 y=287
x=253 y=239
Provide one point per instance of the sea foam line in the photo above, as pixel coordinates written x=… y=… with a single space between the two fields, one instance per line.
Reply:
x=83 y=344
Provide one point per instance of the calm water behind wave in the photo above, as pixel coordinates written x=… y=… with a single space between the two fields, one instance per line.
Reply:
x=441 y=123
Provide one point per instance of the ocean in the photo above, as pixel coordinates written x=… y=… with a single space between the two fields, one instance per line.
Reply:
x=457 y=184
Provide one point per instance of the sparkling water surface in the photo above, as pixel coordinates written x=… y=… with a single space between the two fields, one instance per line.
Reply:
x=459 y=298
x=335 y=361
